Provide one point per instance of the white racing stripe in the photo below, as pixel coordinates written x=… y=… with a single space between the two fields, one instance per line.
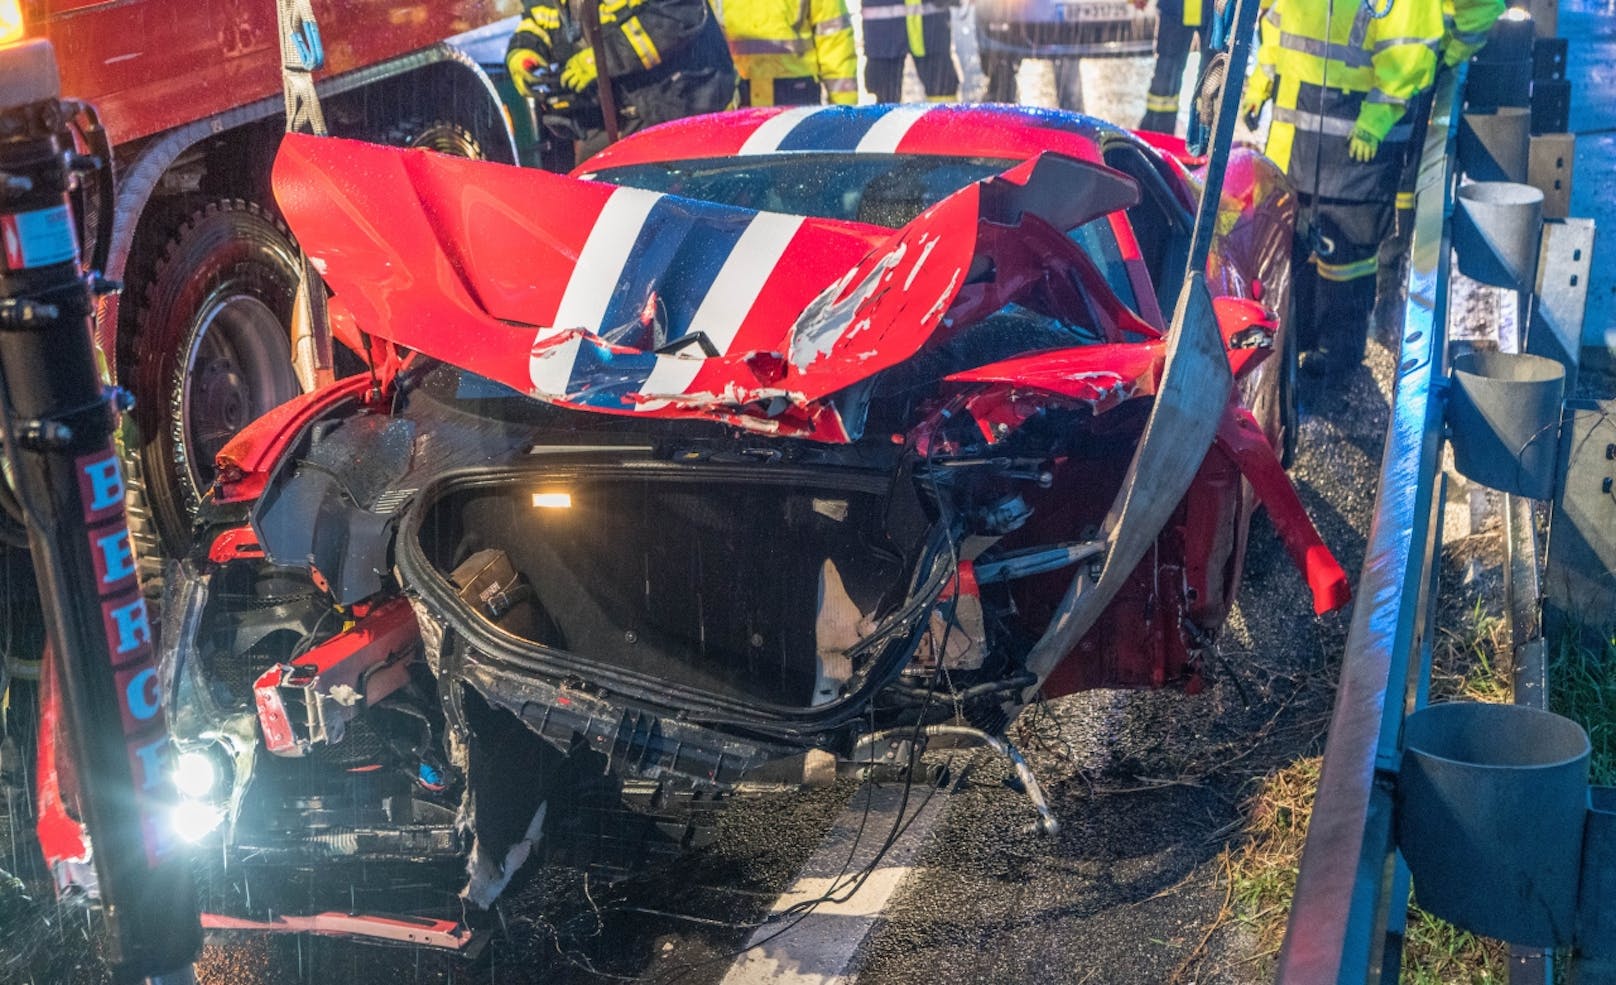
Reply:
x=890 y=129
x=589 y=289
x=741 y=279
x=733 y=292
x=766 y=138
x=600 y=263
x=671 y=375
x=550 y=368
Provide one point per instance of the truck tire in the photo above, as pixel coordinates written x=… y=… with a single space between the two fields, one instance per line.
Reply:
x=443 y=136
x=210 y=351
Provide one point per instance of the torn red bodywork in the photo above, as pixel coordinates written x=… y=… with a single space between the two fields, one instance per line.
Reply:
x=840 y=303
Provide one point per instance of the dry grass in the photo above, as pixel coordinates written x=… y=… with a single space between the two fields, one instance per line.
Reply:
x=1261 y=869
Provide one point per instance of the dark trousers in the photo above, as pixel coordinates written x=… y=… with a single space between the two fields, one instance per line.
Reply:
x=884 y=76
x=1173 y=43
x=1335 y=284
x=887 y=43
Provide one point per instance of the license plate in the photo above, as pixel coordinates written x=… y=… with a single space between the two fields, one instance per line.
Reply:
x=1088 y=13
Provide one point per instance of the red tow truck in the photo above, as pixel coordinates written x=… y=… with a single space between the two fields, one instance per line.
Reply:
x=190 y=95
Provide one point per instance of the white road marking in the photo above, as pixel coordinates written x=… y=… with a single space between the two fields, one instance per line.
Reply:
x=819 y=949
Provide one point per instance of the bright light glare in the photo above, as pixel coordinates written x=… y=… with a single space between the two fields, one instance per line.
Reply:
x=195 y=774
x=1517 y=14
x=192 y=820
x=552 y=501
x=10 y=21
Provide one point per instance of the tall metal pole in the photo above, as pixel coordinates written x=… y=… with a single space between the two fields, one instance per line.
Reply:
x=57 y=424
x=1245 y=30
x=589 y=16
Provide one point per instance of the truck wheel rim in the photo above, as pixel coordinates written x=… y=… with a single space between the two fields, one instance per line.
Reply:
x=238 y=369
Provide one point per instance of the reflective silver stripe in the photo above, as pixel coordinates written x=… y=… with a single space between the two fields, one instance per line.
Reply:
x=1360 y=26
x=1347 y=55
x=1333 y=126
x=1313 y=122
x=909 y=10
x=1376 y=96
x=835 y=24
x=757 y=46
x=1432 y=43
x=841 y=85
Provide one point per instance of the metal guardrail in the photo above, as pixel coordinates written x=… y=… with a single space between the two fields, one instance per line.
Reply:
x=1351 y=896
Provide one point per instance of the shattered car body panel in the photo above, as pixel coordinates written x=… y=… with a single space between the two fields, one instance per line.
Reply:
x=686 y=498
x=652 y=315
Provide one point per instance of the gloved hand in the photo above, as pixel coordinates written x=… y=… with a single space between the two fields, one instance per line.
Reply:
x=525 y=65
x=580 y=71
x=1376 y=118
x=1259 y=89
x=1456 y=52
x=1363 y=146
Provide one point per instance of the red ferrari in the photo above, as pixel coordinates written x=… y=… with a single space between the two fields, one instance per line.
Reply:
x=770 y=441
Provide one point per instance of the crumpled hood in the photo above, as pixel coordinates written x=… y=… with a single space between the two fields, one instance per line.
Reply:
x=619 y=300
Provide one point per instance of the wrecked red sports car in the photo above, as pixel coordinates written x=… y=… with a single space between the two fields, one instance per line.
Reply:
x=789 y=439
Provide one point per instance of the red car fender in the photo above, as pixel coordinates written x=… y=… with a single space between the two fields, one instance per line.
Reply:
x=1240 y=437
x=245 y=463
x=1248 y=332
x=237 y=542
x=1173 y=147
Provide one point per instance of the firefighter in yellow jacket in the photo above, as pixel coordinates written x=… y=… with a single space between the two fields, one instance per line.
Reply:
x=1342 y=74
x=897 y=30
x=786 y=50
x=1466 y=25
x=666 y=59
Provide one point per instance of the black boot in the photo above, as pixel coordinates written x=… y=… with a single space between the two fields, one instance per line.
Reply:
x=1345 y=308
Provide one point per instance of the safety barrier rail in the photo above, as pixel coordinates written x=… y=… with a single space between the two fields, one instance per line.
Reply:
x=1348 y=914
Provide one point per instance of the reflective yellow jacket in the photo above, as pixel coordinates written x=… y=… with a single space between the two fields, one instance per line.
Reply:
x=791 y=39
x=1466 y=24
x=1388 y=59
